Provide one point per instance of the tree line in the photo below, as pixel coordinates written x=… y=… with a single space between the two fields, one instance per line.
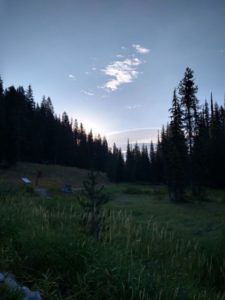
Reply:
x=32 y=132
x=190 y=152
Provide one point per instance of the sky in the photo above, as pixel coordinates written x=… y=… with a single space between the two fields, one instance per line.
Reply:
x=113 y=64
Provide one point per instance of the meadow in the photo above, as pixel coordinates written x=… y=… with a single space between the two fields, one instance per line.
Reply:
x=149 y=248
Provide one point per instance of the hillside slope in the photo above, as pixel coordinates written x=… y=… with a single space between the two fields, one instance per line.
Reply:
x=52 y=176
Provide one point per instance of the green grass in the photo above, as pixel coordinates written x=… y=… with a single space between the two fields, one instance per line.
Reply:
x=192 y=220
x=150 y=248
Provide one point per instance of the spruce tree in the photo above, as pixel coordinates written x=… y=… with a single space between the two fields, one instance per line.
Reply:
x=189 y=105
x=12 y=129
x=144 y=164
x=159 y=163
x=2 y=123
x=200 y=155
x=177 y=153
x=130 y=164
x=152 y=169
x=216 y=161
x=92 y=199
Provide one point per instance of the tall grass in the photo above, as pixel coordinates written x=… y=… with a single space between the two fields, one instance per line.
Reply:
x=44 y=245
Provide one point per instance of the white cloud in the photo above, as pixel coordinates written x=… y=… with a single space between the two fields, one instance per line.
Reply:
x=87 y=92
x=120 y=56
x=71 y=76
x=93 y=68
x=140 y=49
x=135 y=106
x=121 y=72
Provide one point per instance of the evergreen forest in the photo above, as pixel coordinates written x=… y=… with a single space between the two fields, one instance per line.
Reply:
x=189 y=154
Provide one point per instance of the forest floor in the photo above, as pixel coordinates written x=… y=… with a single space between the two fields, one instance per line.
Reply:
x=150 y=248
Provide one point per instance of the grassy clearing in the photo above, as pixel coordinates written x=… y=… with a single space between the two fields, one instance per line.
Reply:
x=149 y=249
x=205 y=220
x=53 y=176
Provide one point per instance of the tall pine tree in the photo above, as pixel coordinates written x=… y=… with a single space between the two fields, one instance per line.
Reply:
x=177 y=153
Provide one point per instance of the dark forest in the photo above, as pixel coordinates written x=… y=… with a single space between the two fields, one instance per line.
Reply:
x=190 y=151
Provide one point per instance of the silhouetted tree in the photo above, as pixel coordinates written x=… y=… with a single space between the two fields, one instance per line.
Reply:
x=130 y=164
x=33 y=132
x=177 y=153
x=2 y=124
x=189 y=105
x=92 y=199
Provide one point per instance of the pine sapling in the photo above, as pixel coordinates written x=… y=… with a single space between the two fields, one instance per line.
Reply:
x=92 y=199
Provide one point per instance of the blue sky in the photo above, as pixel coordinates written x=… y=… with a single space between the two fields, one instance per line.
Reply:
x=113 y=64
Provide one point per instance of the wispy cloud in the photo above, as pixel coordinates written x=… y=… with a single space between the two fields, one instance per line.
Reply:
x=135 y=106
x=122 y=72
x=134 y=130
x=120 y=56
x=72 y=77
x=87 y=92
x=139 y=135
x=140 y=49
